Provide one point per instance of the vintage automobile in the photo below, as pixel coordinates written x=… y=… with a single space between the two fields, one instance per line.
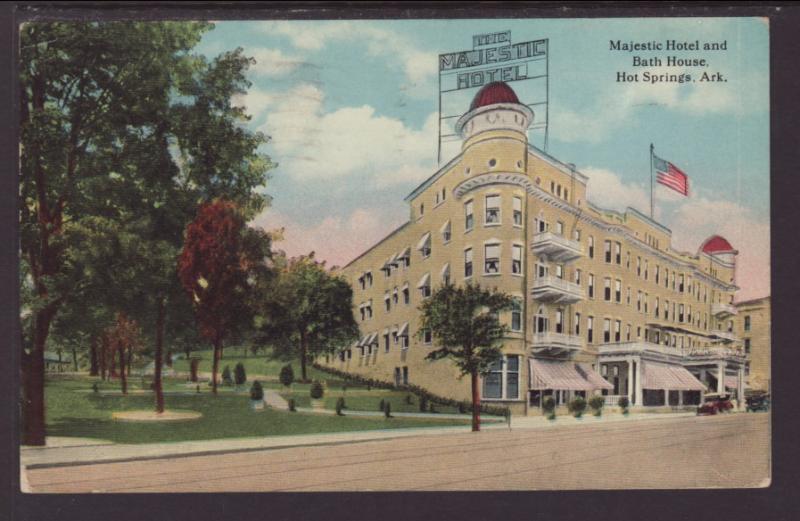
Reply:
x=757 y=401
x=715 y=403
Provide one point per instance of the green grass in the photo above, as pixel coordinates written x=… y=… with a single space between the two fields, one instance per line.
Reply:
x=72 y=411
x=259 y=364
x=359 y=399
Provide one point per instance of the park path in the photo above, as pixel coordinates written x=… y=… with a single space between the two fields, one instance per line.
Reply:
x=275 y=400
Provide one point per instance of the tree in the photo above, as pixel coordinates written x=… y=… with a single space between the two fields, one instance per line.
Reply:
x=239 y=374
x=464 y=322
x=308 y=312
x=286 y=375
x=96 y=140
x=124 y=339
x=222 y=259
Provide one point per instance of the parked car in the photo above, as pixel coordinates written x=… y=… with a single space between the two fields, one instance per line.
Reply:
x=714 y=403
x=757 y=401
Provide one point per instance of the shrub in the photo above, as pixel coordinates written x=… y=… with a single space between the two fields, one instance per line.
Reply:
x=423 y=403
x=387 y=411
x=226 y=376
x=339 y=406
x=382 y=405
x=287 y=375
x=623 y=404
x=198 y=388
x=239 y=374
x=292 y=406
x=462 y=409
x=577 y=406
x=409 y=400
x=549 y=404
x=432 y=408
x=256 y=391
x=596 y=402
x=95 y=388
x=316 y=391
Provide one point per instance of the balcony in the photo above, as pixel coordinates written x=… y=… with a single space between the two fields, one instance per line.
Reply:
x=555 y=290
x=715 y=353
x=723 y=310
x=549 y=341
x=637 y=348
x=725 y=336
x=555 y=247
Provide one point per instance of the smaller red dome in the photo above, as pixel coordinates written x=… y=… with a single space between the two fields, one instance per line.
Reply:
x=491 y=93
x=716 y=244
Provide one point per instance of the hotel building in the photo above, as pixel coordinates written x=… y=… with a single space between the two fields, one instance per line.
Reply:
x=603 y=304
x=753 y=325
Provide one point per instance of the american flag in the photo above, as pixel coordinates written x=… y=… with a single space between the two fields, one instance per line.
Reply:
x=671 y=176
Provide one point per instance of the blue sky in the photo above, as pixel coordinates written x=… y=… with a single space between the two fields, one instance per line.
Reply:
x=351 y=107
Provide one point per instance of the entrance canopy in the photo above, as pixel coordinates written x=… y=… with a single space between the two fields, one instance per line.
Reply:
x=731 y=382
x=669 y=377
x=571 y=376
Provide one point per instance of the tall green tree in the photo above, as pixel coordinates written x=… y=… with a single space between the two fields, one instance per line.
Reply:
x=120 y=120
x=308 y=312
x=465 y=325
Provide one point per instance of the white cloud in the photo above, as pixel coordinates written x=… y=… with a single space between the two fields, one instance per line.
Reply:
x=419 y=65
x=254 y=101
x=333 y=239
x=272 y=62
x=694 y=219
x=348 y=142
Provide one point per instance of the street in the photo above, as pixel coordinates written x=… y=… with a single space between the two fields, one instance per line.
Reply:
x=686 y=452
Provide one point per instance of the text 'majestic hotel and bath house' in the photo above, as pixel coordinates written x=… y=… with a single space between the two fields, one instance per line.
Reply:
x=603 y=304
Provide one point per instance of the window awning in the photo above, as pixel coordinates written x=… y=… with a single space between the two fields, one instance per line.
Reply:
x=386 y=331
x=403 y=330
x=372 y=339
x=446 y=269
x=423 y=241
x=405 y=254
x=564 y=376
x=363 y=341
x=669 y=377
x=445 y=227
x=391 y=261
x=424 y=281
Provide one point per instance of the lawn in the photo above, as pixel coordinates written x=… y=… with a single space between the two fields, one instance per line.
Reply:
x=359 y=399
x=74 y=410
x=259 y=364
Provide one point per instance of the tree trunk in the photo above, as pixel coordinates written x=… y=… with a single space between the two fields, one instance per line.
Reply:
x=168 y=354
x=130 y=357
x=303 y=350
x=215 y=364
x=33 y=424
x=476 y=403
x=157 y=358
x=94 y=367
x=75 y=359
x=193 y=363
x=122 y=377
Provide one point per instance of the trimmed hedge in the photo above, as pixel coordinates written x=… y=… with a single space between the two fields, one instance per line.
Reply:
x=425 y=396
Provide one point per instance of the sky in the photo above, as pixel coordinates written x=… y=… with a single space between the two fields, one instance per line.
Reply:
x=351 y=109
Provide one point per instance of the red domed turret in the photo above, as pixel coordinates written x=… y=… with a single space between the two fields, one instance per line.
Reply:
x=716 y=244
x=491 y=93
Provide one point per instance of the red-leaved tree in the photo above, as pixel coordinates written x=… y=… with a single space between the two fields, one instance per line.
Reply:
x=124 y=338
x=216 y=267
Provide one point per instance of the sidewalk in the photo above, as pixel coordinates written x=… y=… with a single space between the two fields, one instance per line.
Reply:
x=63 y=452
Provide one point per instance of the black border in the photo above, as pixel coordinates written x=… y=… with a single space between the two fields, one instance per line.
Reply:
x=776 y=502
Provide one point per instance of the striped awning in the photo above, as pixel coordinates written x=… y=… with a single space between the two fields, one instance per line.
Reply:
x=731 y=382
x=424 y=240
x=424 y=281
x=572 y=376
x=403 y=330
x=669 y=377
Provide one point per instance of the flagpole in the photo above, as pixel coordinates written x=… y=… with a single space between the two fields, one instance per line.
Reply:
x=651 y=181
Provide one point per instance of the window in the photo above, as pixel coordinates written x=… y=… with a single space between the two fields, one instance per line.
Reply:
x=591 y=285
x=469 y=218
x=577 y=324
x=491 y=259
x=607 y=251
x=468 y=262
x=628 y=259
x=628 y=296
x=386 y=342
x=405 y=375
x=540 y=322
x=493 y=162
x=578 y=277
x=606 y=330
x=395 y=295
x=638 y=266
x=638 y=301
x=591 y=247
x=444 y=194
x=747 y=322
x=618 y=253
x=424 y=246
x=681 y=284
x=425 y=286
x=368 y=278
x=427 y=336
x=628 y=332
x=492 y=209
x=362 y=282
x=680 y=312
x=517 y=211
x=541 y=225
x=422 y=209
x=446 y=232
x=655 y=308
x=645 y=269
x=576 y=235
x=560 y=228
x=646 y=300
x=747 y=346
x=559 y=271
x=618 y=291
x=590 y=329
x=516 y=315
x=446 y=274
x=387 y=302
x=657 y=270
x=559 y=321
x=617 y=331
x=607 y=289
x=516 y=259
x=406 y=295
x=502 y=380
x=369 y=309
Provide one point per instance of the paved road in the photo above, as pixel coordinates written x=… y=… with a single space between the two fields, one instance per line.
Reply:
x=721 y=451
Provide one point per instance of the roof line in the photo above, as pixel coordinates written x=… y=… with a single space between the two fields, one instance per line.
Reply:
x=393 y=232
x=752 y=300
x=568 y=169
x=429 y=181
